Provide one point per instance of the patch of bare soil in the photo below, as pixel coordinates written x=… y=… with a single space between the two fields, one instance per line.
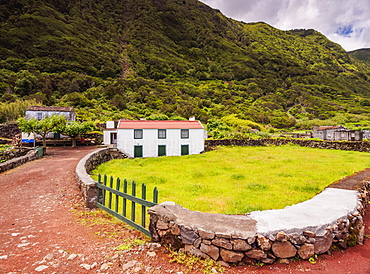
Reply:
x=45 y=228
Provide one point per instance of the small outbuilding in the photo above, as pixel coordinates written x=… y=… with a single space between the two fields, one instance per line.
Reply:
x=156 y=138
x=41 y=112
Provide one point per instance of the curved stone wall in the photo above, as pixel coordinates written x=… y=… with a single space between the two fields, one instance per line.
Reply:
x=86 y=165
x=331 y=220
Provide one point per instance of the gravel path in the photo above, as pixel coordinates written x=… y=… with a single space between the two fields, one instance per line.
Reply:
x=44 y=228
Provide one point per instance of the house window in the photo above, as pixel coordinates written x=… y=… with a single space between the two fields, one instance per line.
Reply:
x=184 y=134
x=161 y=134
x=184 y=149
x=138 y=134
x=39 y=115
x=161 y=150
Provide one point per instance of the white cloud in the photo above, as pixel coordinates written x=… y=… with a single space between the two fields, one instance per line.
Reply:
x=346 y=22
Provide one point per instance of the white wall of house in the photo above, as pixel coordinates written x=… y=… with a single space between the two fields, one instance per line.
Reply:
x=43 y=114
x=150 y=142
x=108 y=136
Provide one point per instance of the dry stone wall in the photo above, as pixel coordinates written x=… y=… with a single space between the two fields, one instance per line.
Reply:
x=361 y=146
x=15 y=162
x=86 y=165
x=236 y=238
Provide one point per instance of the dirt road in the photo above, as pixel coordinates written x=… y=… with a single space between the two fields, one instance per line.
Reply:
x=44 y=228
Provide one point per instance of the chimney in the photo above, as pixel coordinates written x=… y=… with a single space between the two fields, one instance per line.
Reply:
x=192 y=118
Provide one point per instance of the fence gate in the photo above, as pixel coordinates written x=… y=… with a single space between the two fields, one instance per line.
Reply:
x=113 y=197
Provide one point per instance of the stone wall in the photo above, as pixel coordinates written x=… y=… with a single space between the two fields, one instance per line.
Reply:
x=86 y=165
x=9 y=130
x=361 y=146
x=332 y=220
x=15 y=162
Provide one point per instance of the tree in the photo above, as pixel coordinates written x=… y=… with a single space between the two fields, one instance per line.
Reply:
x=74 y=129
x=42 y=127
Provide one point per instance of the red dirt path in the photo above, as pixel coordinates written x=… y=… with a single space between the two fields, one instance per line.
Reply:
x=44 y=228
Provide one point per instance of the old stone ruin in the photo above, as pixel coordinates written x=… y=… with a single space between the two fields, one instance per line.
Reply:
x=332 y=220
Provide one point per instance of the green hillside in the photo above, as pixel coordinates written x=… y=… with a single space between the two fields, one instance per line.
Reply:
x=161 y=59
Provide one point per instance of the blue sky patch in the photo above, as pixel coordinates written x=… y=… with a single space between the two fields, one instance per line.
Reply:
x=345 y=30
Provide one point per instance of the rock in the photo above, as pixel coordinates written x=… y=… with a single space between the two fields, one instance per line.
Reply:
x=188 y=236
x=222 y=242
x=86 y=266
x=268 y=260
x=361 y=235
x=129 y=265
x=323 y=243
x=71 y=257
x=231 y=256
x=104 y=267
x=297 y=239
x=257 y=254
x=190 y=249
x=162 y=225
x=283 y=250
x=207 y=235
x=41 y=268
x=309 y=234
x=281 y=237
x=263 y=242
x=49 y=257
x=284 y=261
x=3 y=257
x=175 y=230
x=211 y=251
x=151 y=254
x=154 y=246
x=241 y=245
x=306 y=251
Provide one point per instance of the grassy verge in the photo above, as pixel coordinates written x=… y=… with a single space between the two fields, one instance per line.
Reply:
x=236 y=180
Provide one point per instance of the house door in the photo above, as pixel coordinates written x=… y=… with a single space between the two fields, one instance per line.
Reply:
x=161 y=150
x=113 y=138
x=184 y=149
x=138 y=151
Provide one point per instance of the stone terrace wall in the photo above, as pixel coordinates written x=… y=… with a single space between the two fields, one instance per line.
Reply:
x=89 y=163
x=237 y=238
x=15 y=162
x=339 y=145
x=9 y=130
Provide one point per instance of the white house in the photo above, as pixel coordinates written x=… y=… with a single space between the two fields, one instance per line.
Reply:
x=41 y=112
x=156 y=138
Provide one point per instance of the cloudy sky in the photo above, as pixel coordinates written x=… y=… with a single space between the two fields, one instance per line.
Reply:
x=346 y=22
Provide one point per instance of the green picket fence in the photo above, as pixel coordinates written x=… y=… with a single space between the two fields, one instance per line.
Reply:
x=113 y=197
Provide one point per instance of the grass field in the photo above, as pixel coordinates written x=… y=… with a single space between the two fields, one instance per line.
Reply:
x=236 y=180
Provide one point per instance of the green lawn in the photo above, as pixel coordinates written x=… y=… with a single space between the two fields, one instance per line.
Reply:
x=235 y=180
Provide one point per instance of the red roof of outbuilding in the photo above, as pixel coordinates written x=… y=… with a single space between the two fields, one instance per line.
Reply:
x=143 y=124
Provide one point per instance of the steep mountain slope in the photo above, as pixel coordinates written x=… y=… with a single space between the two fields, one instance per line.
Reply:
x=136 y=58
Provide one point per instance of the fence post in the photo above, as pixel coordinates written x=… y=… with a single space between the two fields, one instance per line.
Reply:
x=118 y=185
x=155 y=195
x=110 y=193
x=104 y=191
x=98 y=189
x=124 y=206
x=143 y=207
x=133 y=205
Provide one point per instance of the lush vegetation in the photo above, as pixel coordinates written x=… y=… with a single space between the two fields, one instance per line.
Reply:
x=237 y=180
x=169 y=59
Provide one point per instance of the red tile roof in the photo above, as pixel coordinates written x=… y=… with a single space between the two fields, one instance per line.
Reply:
x=143 y=124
